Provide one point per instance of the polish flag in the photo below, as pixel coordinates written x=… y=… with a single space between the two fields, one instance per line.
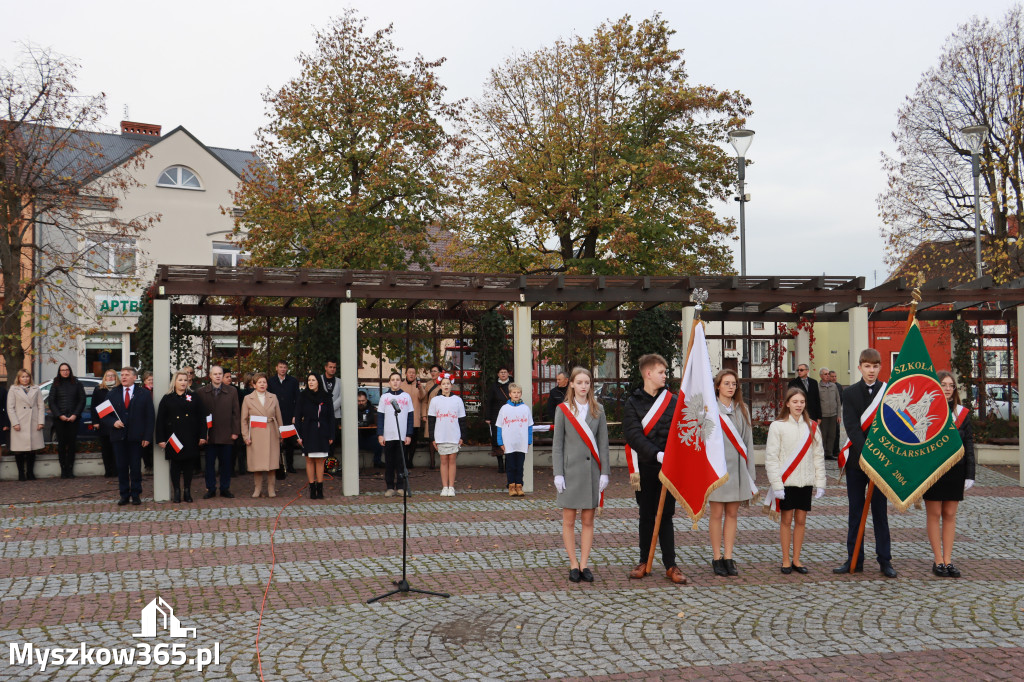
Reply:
x=288 y=431
x=104 y=408
x=209 y=421
x=175 y=443
x=257 y=422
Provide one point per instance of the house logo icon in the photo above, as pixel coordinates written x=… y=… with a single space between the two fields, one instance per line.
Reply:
x=158 y=611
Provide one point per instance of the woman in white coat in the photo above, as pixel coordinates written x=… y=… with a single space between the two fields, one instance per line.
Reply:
x=795 y=462
x=25 y=410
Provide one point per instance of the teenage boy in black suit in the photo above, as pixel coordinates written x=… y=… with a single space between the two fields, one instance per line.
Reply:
x=856 y=399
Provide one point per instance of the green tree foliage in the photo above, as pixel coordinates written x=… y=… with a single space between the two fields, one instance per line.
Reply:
x=979 y=80
x=598 y=155
x=355 y=158
x=651 y=331
x=492 y=348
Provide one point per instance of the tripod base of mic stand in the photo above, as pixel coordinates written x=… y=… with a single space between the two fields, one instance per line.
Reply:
x=403 y=587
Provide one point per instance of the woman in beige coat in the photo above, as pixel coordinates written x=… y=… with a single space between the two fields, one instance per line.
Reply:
x=263 y=451
x=25 y=410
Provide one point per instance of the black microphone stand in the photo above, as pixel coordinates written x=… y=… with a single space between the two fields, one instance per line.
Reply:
x=402 y=585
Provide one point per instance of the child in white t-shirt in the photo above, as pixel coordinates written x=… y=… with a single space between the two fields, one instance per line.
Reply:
x=446 y=417
x=515 y=434
x=394 y=429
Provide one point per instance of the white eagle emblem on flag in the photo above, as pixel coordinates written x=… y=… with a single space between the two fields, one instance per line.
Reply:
x=918 y=411
x=695 y=427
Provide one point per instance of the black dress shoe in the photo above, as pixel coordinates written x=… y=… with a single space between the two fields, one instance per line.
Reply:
x=718 y=566
x=786 y=570
x=136 y=501
x=587 y=575
x=574 y=575
x=122 y=502
x=187 y=496
x=952 y=571
x=940 y=570
x=176 y=495
x=888 y=571
x=730 y=567
x=209 y=494
x=802 y=570
x=845 y=568
x=227 y=493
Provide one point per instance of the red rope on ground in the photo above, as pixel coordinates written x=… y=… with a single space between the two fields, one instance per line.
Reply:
x=273 y=560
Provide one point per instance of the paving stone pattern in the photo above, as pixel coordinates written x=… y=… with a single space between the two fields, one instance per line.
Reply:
x=75 y=568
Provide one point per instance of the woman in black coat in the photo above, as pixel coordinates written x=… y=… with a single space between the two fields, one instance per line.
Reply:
x=181 y=431
x=314 y=420
x=99 y=395
x=66 y=402
x=943 y=498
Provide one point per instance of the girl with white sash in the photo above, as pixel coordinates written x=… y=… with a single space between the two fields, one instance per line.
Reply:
x=795 y=463
x=580 y=462
x=739 y=459
x=943 y=498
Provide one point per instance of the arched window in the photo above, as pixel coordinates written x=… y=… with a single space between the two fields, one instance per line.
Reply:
x=179 y=177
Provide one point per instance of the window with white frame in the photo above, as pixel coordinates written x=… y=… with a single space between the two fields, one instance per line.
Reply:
x=759 y=351
x=115 y=257
x=758 y=326
x=179 y=177
x=729 y=344
x=226 y=254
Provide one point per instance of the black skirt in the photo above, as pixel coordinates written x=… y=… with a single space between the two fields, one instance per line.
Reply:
x=950 y=486
x=797 y=498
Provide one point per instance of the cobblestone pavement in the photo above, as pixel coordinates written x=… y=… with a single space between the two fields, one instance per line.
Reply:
x=76 y=569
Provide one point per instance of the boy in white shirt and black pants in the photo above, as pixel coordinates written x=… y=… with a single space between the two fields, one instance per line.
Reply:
x=394 y=428
x=514 y=435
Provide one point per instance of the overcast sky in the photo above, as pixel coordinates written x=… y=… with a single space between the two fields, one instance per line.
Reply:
x=825 y=80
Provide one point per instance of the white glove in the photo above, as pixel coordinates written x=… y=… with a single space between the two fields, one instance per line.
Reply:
x=661 y=457
x=603 y=484
x=819 y=494
x=780 y=494
x=560 y=483
x=968 y=484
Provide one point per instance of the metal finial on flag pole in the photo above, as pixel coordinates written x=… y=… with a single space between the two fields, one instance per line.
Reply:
x=698 y=297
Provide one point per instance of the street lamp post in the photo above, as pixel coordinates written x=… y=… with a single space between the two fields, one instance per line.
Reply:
x=740 y=141
x=974 y=136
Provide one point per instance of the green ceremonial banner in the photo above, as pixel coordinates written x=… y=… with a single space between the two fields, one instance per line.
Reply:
x=913 y=440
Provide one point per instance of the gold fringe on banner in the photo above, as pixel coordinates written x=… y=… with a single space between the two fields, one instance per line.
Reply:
x=634 y=481
x=695 y=517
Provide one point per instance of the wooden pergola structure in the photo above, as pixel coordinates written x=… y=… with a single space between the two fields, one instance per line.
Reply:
x=424 y=295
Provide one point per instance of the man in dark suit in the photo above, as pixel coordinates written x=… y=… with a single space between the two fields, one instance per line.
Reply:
x=131 y=429
x=557 y=395
x=856 y=400
x=809 y=386
x=286 y=388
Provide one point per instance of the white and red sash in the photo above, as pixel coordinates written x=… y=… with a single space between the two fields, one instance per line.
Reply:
x=586 y=435
x=866 y=418
x=791 y=463
x=649 y=421
x=733 y=435
x=960 y=415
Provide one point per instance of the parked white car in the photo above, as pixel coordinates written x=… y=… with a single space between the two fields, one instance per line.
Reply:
x=1000 y=400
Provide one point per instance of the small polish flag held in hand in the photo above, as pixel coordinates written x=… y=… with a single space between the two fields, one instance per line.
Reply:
x=209 y=421
x=104 y=408
x=257 y=422
x=288 y=431
x=175 y=444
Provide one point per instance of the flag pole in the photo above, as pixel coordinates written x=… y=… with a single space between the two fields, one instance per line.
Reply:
x=916 y=296
x=661 y=500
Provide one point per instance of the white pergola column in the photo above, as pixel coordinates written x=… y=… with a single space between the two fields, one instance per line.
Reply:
x=161 y=378
x=1020 y=389
x=349 y=377
x=803 y=349
x=687 y=324
x=522 y=354
x=859 y=339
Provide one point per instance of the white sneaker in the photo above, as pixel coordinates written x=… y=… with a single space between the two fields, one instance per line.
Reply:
x=389 y=493
x=400 y=492
x=444 y=492
x=451 y=491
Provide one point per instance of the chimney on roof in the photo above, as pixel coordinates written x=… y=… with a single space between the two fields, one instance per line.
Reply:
x=140 y=129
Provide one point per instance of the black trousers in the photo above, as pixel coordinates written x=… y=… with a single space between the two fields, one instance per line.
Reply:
x=183 y=468
x=109 y=465
x=410 y=449
x=128 y=454
x=647 y=497
x=856 y=492
x=392 y=452
x=67 y=436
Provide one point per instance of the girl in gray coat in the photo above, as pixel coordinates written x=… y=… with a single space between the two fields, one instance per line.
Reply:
x=580 y=459
x=739 y=460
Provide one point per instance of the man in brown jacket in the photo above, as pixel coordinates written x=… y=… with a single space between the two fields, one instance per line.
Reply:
x=221 y=404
